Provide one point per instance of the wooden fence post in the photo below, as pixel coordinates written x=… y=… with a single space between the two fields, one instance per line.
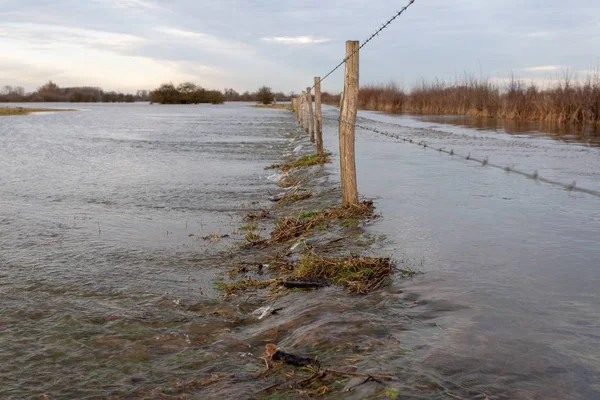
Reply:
x=347 y=122
x=302 y=100
x=319 y=116
x=311 y=117
x=298 y=110
x=295 y=105
x=305 y=109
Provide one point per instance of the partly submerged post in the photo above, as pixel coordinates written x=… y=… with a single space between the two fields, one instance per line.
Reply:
x=305 y=110
x=311 y=117
x=347 y=122
x=318 y=116
x=295 y=107
x=302 y=100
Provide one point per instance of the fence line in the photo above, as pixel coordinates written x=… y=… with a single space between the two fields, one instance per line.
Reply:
x=484 y=162
x=350 y=108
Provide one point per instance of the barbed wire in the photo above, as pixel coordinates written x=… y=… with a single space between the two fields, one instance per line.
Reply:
x=376 y=33
x=483 y=162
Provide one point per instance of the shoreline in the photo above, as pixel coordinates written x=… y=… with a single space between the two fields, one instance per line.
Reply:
x=14 y=111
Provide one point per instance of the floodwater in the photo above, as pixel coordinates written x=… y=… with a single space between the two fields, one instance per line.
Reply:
x=107 y=286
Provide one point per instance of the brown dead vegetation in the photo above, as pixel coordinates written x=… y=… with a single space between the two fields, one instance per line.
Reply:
x=567 y=102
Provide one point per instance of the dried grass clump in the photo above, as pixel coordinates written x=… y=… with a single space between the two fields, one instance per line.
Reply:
x=295 y=195
x=293 y=227
x=246 y=284
x=358 y=274
x=288 y=182
x=257 y=215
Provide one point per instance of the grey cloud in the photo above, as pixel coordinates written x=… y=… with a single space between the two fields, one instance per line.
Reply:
x=435 y=38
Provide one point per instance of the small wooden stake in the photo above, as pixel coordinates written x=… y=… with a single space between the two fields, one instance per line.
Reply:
x=311 y=117
x=347 y=122
x=319 y=116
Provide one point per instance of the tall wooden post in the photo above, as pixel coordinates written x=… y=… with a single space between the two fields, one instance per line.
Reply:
x=311 y=117
x=302 y=100
x=347 y=122
x=318 y=116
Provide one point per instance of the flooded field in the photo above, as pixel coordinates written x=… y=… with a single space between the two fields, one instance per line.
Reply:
x=108 y=287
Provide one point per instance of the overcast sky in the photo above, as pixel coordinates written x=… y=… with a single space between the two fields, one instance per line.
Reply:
x=127 y=45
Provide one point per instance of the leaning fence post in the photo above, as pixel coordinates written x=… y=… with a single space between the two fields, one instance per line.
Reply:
x=319 y=116
x=347 y=122
x=311 y=117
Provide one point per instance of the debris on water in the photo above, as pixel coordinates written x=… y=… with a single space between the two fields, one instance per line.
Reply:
x=258 y=215
x=278 y=197
x=264 y=311
x=296 y=245
x=276 y=177
x=298 y=148
x=306 y=283
x=299 y=361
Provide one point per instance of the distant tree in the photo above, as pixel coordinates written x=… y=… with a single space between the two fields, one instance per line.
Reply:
x=246 y=96
x=265 y=95
x=49 y=87
x=231 y=95
x=165 y=94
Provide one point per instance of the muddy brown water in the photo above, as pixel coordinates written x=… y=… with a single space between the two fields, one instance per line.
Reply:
x=108 y=289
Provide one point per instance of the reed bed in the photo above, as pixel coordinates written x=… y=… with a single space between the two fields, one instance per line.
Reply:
x=568 y=101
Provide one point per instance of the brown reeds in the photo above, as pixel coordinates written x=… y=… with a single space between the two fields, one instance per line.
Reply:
x=567 y=102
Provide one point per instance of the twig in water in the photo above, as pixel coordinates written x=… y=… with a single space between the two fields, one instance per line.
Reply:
x=372 y=376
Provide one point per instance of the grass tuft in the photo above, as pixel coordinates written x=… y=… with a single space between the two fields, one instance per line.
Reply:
x=293 y=227
x=358 y=274
x=308 y=160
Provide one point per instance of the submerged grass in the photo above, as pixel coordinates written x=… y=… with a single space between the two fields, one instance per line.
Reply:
x=308 y=160
x=287 y=107
x=293 y=227
x=295 y=195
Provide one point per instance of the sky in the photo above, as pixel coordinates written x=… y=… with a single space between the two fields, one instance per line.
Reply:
x=126 y=45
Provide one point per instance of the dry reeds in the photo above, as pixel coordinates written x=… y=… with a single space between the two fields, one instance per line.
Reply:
x=569 y=101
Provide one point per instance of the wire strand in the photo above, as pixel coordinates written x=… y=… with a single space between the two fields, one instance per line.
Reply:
x=376 y=33
x=482 y=161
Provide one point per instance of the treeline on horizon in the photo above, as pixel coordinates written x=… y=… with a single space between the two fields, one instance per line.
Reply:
x=52 y=93
x=189 y=93
x=185 y=93
x=568 y=101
